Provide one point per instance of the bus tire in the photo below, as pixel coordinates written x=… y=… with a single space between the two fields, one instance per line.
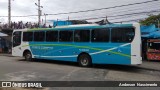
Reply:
x=28 y=56
x=84 y=60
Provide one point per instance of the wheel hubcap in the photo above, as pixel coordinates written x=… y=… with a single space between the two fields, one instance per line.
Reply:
x=84 y=61
x=28 y=57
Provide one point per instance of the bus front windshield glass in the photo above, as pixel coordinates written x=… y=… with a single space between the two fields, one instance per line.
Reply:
x=154 y=45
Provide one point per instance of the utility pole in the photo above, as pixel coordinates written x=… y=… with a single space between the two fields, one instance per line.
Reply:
x=9 y=13
x=45 y=18
x=68 y=21
x=158 y=23
x=39 y=12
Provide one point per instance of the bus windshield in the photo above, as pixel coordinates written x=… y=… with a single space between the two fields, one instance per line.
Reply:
x=154 y=45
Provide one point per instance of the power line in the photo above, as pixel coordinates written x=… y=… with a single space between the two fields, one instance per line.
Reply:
x=125 y=17
x=106 y=8
x=91 y=10
x=137 y=9
x=21 y=16
x=132 y=9
x=144 y=12
x=127 y=10
x=124 y=9
x=129 y=20
x=136 y=15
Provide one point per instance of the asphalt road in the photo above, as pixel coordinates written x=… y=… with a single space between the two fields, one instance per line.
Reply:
x=16 y=69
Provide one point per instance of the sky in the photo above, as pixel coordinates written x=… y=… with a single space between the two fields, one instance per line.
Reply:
x=28 y=7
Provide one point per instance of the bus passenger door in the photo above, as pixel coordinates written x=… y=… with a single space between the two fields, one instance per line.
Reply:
x=16 y=44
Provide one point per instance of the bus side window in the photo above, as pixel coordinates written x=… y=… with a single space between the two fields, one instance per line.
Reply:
x=52 y=36
x=82 y=35
x=66 y=36
x=27 y=36
x=39 y=36
x=77 y=36
x=100 y=35
x=122 y=35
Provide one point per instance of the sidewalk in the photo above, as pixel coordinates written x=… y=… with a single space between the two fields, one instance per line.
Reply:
x=5 y=54
x=150 y=65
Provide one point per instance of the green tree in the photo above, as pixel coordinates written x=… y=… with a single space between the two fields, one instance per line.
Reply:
x=152 y=19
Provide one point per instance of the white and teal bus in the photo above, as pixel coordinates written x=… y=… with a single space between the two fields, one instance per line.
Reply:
x=86 y=44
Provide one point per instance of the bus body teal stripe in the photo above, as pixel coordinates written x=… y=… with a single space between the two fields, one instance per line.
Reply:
x=98 y=49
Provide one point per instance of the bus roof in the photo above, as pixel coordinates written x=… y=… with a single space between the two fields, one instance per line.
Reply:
x=80 y=26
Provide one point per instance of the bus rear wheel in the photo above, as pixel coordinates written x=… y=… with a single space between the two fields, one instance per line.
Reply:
x=84 y=60
x=28 y=56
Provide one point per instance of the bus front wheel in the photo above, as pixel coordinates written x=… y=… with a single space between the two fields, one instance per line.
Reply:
x=28 y=56
x=84 y=60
